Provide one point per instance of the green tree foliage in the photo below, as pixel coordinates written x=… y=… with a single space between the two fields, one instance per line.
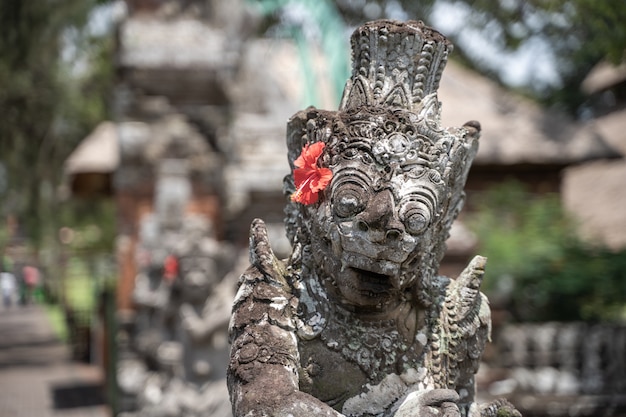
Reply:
x=49 y=100
x=580 y=33
x=537 y=267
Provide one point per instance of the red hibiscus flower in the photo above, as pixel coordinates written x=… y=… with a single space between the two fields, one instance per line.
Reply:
x=308 y=177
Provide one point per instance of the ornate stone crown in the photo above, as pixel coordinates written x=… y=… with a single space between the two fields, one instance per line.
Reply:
x=394 y=64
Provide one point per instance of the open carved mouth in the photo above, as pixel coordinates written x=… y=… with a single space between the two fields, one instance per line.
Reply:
x=372 y=284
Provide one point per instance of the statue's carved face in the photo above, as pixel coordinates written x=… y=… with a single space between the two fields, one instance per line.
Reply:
x=375 y=223
x=199 y=276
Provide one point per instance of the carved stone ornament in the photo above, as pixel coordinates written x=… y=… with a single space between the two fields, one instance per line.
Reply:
x=357 y=322
x=174 y=364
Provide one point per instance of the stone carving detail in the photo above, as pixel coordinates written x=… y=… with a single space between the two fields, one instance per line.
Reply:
x=174 y=365
x=357 y=322
x=580 y=367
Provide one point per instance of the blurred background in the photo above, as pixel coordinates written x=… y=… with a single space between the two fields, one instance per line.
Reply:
x=139 y=138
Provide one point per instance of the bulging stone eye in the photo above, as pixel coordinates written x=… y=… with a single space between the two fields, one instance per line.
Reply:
x=351 y=153
x=416 y=217
x=348 y=200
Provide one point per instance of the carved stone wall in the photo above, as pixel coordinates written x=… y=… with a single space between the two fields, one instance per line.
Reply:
x=560 y=369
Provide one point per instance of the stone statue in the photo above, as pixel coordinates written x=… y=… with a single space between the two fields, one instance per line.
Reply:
x=205 y=293
x=175 y=364
x=357 y=322
x=183 y=298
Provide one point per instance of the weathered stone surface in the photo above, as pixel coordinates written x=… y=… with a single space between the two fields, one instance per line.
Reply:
x=357 y=322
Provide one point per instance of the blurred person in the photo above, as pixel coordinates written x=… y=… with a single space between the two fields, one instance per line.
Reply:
x=31 y=280
x=8 y=287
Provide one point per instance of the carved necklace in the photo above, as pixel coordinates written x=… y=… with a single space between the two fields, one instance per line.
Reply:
x=376 y=346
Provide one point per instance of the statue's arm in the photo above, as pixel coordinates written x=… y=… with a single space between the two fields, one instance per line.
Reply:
x=474 y=323
x=263 y=369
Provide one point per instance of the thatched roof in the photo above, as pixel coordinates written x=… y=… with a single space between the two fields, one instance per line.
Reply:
x=595 y=194
x=604 y=76
x=97 y=153
x=90 y=167
x=612 y=128
x=515 y=130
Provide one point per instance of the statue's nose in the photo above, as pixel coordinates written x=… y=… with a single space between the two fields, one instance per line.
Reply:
x=379 y=219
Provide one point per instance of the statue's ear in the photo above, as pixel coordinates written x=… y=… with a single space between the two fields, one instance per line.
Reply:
x=473 y=129
x=307 y=126
x=297 y=133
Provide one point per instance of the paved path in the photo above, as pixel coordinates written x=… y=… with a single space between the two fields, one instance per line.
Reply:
x=37 y=378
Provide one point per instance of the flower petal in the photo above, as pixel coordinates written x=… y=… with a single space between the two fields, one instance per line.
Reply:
x=315 y=151
x=321 y=180
x=301 y=175
x=308 y=178
x=310 y=154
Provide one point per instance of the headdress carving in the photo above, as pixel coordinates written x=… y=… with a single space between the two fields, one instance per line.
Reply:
x=394 y=64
